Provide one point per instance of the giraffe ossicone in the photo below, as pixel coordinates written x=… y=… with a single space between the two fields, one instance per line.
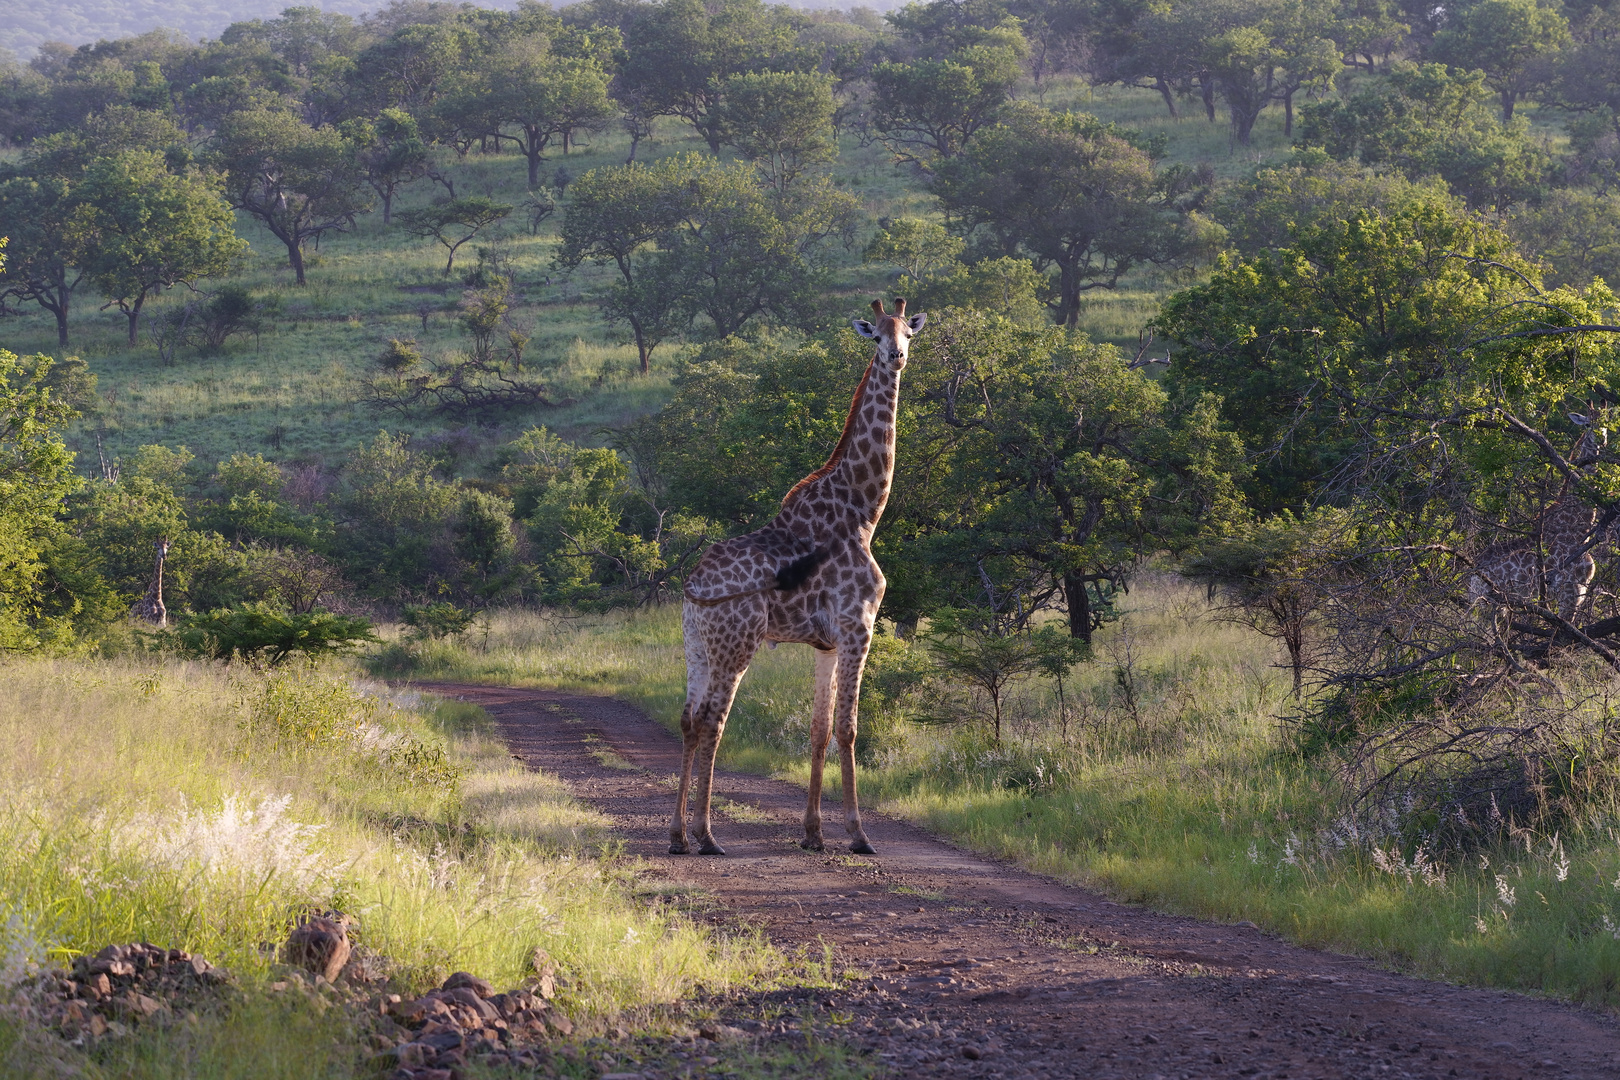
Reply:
x=809 y=577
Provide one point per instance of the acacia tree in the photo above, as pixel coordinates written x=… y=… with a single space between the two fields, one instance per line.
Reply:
x=298 y=180
x=40 y=265
x=683 y=51
x=528 y=84
x=1268 y=52
x=1076 y=195
x=392 y=153
x=141 y=228
x=931 y=108
x=614 y=216
x=1511 y=41
x=779 y=121
x=454 y=222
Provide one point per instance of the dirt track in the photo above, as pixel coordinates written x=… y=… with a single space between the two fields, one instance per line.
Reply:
x=981 y=969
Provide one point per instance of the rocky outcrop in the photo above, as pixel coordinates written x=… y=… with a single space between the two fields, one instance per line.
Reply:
x=121 y=987
x=465 y=1019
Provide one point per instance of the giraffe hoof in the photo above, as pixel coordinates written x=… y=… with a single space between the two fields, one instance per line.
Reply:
x=812 y=843
x=680 y=848
x=861 y=847
x=709 y=847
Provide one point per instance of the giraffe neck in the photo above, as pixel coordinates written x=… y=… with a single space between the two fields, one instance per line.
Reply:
x=849 y=492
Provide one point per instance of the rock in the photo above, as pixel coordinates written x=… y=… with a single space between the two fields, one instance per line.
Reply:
x=463 y=981
x=971 y=1052
x=464 y=996
x=319 y=944
x=559 y=1023
x=412 y=1055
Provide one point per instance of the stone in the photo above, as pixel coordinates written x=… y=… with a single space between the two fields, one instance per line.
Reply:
x=412 y=1055
x=470 y=999
x=320 y=945
x=463 y=981
x=971 y=1052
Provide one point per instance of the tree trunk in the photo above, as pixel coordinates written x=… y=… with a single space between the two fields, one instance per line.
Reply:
x=1288 y=114
x=1207 y=85
x=133 y=314
x=61 y=312
x=1169 y=99
x=635 y=141
x=532 y=152
x=1078 y=600
x=295 y=257
x=388 y=206
x=1068 y=297
x=1509 y=99
x=567 y=140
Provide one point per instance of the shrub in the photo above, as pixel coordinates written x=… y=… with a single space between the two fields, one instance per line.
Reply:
x=262 y=636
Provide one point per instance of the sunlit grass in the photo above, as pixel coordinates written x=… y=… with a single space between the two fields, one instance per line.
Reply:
x=1193 y=803
x=139 y=805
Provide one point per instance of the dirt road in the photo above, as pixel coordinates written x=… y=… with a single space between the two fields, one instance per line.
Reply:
x=981 y=969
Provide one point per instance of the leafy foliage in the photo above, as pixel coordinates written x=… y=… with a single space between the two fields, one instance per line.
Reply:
x=261 y=636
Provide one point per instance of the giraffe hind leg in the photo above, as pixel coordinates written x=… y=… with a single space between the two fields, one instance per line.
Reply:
x=820 y=733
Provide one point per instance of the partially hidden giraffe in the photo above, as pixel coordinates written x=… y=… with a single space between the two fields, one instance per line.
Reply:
x=150 y=607
x=1558 y=556
x=808 y=576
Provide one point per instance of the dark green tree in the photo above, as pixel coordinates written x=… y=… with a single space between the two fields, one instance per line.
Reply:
x=1510 y=41
x=140 y=228
x=1078 y=196
x=299 y=181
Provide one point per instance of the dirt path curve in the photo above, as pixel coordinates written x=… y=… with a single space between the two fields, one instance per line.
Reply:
x=981 y=969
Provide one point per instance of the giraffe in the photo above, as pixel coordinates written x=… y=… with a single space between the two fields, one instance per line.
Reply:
x=808 y=576
x=1558 y=555
x=150 y=607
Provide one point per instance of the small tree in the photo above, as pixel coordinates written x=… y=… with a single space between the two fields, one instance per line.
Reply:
x=437 y=621
x=780 y=121
x=298 y=180
x=1056 y=654
x=141 y=228
x=1274 y=574
x=392 y=153
x=453 y=222
x=987 y=660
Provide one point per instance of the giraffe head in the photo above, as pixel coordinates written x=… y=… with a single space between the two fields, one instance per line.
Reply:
x=163 y=547
x=1593 y=440
x=891 y=332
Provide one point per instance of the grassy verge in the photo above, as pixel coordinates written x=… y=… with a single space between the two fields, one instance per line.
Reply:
x=177 y=804
x=1165 y=779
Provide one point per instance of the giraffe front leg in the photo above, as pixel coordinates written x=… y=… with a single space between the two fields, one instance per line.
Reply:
x=820 y=733
x=851 y=661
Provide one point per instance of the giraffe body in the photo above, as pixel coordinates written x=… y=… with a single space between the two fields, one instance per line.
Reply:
x=807 y=577
x=149 y=608
x=1557 y=557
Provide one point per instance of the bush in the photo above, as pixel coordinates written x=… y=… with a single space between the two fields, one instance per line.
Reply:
x=262 y=636
x=437 y=621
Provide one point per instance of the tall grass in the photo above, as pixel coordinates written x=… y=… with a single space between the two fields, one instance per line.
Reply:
x=1167 y=777
x=172 y=803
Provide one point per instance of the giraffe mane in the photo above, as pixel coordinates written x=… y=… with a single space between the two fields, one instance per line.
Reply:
x=843 y=440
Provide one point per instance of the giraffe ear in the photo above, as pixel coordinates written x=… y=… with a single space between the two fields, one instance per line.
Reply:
x=864 y=328
x=917 y=321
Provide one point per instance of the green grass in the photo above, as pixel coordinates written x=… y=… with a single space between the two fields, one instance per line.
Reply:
x=1194 y=803
x=182 y=805
x=295 y=393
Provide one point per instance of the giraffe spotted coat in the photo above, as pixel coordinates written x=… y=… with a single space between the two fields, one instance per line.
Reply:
x=808 y=576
